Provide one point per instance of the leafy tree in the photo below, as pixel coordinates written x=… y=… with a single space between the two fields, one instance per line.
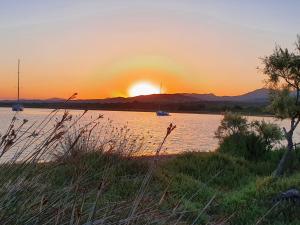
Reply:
x=269 y=133
x=249 y=140
x=282 y=68
x=231 y=124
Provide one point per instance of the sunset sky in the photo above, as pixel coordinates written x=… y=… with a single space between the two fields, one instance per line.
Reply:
x=100 y=48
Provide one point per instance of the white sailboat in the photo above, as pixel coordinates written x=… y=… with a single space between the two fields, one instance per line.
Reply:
x=161 y=112
x=17 y=107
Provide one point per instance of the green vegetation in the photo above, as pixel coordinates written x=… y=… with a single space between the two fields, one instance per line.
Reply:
x=250 y=140
x=244 y=190
x=209 y=187
x=282 y=69
x=92 y=173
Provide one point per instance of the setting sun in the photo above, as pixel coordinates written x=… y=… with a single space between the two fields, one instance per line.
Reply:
x=143 y=88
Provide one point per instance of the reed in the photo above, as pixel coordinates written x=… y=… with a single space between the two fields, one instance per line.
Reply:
x=62 y=170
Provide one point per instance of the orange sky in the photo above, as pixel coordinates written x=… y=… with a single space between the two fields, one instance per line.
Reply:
x=100 y=48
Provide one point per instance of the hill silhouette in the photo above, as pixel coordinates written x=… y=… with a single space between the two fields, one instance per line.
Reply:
x=251 y=102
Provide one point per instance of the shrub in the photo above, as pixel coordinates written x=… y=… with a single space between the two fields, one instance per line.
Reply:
x=248 y=146
x=269 y=133
x=240 y=138
x=231 y=124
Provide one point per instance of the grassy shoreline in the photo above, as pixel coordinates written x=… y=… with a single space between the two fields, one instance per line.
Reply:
x=209 y=188
x=95 y=176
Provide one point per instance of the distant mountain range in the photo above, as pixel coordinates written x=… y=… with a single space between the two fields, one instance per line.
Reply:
x=256 y=96
x=259 y=95
x=250 y=103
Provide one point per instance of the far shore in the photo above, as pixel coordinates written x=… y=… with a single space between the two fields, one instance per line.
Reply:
x=143 y=110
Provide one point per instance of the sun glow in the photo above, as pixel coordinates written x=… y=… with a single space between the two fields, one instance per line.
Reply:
x=143 y=88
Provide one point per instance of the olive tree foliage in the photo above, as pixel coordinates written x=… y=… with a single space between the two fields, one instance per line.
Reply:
x=269 y=133
x=231 y=124
x=282 y=69
x=263 y=134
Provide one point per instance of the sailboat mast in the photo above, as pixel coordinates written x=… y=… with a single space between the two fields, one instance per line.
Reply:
x=160 y=94
x=160 y=87
x=18 y=80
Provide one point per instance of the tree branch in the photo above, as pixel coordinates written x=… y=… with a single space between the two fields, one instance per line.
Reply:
x=285 y=132
x=284 y=76
x=296 y=124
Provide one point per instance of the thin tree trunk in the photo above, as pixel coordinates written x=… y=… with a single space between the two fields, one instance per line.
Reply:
x=286 y=158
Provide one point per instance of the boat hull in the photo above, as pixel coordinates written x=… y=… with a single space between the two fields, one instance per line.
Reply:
x=17 y=108
x=162 y=113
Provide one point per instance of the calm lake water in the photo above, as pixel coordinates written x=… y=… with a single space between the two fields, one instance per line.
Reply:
x=194 y=132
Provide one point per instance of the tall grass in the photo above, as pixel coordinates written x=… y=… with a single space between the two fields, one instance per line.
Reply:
x=62 y=170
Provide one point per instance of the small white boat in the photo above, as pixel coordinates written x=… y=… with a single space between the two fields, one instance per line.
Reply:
x=17 y=107
x=160 y=112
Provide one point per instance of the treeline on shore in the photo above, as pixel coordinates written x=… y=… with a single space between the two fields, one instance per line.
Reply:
x=196 y=107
